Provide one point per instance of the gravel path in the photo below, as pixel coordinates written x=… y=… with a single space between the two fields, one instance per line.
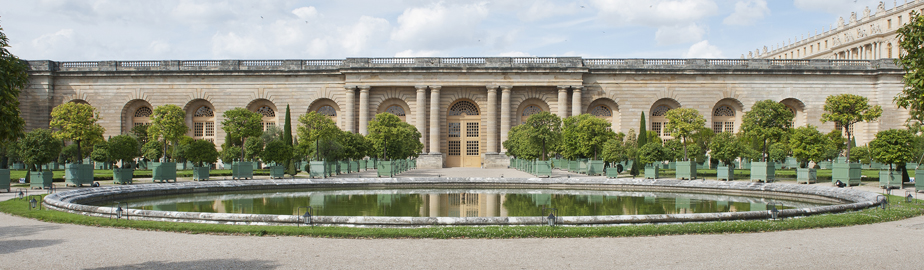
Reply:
x=30 y=244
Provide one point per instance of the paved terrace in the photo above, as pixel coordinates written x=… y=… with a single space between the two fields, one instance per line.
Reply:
x=32 y=244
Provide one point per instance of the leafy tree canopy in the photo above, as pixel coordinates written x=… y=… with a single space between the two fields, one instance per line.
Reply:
x=124 y=148
x=277 y=151
x=39 y=147
x=240 y=123
x=201 y=151
x=584 y=136
x=78 y=123
x=167 y=122
x=253 y=148
x=766 y=122
x=312 y=128
x=892 y=146
x=847 y=109
x=726 y=148
x=543 y=131
x=14 y=76
x=652 y=152
x=392 y=138
x=684 y=122
x=911 y=58
x=808 y=144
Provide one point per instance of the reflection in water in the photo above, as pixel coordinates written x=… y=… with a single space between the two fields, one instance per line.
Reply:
x=460 y=203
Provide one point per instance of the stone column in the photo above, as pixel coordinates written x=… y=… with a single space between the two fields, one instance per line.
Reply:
x=421 y=114
x=364 y=109
x=435 y=120
x=562 y=101
x=492 y=120
x=348 y=115
x=576 y=100
x=505 y=115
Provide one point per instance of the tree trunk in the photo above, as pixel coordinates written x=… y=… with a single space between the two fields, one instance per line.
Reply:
x=765 y=154
x=683 y=140
x=847 y=130
x=243 y=145
x=79 y=154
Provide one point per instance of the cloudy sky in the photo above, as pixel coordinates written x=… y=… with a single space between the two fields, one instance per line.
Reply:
x=250 y=29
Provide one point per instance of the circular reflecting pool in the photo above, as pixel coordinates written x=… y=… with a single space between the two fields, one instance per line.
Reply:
x=461 y=202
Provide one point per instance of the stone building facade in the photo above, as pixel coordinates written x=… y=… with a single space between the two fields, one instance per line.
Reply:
x=867 y=36
x=463 y=107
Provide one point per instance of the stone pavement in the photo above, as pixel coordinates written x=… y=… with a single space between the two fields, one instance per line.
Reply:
x=30 y=244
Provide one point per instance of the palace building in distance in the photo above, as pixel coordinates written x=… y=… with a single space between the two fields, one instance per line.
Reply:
x=464 y=107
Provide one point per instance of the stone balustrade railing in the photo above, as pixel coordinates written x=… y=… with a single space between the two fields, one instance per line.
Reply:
x=460 y=62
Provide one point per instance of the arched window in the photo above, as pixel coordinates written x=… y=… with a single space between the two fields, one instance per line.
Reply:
x=528 y=111
x=658 y=121
x=142 y=116
x=601 y=111
x=269 y=117
x=723 y=119
x=204 y=124
x=396 y=110
x=463 y=107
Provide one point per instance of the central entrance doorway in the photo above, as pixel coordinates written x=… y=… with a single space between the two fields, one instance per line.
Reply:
x=464 y=141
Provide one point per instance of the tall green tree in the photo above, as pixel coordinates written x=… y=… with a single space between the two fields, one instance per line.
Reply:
x=642 y=131
x=201 y=151
x=584 y=135
x=168 y=122
x=726 y=147
x=14 y=75
x=848 y=109
x=393 y=138
x=77 y=122
x=240 y=123
x=39 y=147
x=766 y=123
x=684 y=122
x=124 y=148
x=911 y=58
x=312 y=129
x=893 y=147
x=287 y=138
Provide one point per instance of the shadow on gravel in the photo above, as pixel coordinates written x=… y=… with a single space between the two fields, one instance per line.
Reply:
x=10 y=246
x=14 y=231
x=200 y=264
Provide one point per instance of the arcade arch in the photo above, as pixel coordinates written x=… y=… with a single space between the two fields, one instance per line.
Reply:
x=394 y=106
x=463 y=134
x=530 y=107
x=605 y=109
x=326 y=107
x=798 y=109
x=267 y=110
x=136 y=113
x=200 y=115
x=657 y=121
x=727 y=115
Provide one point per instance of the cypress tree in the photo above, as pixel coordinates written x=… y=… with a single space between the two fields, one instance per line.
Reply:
x=642 y=132
x=287 y=138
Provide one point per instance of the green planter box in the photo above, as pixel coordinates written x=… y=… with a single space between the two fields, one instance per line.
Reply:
x=743 y=164
x=362 y=165
x=316 y=169
x=277 y=171
x=200 y=173
x=725 y=173
x=5 y=179
x=242 y=170
x=78 y=174
x=824 y=165
x=848 y=173
x=877 y=166
x=763 y=171
x=40 y=179
x=778 y=165
x=612 y=172
x=582 y=166
x=890 y=179
x=651 y=171
x=164 y=171
x=354 y=166
x=370 y=164
x=806 y=175
x=385 y=168
x=919 y=180
x=344 y=167
x=543 y=168
x=672 y=165
x=595 y=167
x=685 y=169
x=791 y=163
x=573 y=165
x=122 y=176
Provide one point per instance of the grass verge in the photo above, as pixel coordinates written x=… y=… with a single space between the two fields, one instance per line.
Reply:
x=898 y=210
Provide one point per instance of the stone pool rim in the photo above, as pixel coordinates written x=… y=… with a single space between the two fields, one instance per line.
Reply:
x=73 y=201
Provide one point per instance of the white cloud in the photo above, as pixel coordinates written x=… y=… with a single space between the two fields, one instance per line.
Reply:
x=678 y=34
x=544 y=9
x=514 y=54
x=747 y=12
x=703 y=49
x=841 y=8
x=306 y=13
x=413 y=53
x=233 y=45
x=440 y=26
x=654 y=13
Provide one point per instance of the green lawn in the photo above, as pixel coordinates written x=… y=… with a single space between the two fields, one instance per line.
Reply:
x=898 y=210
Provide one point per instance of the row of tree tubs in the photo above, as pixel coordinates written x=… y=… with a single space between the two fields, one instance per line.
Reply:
x=384 y=168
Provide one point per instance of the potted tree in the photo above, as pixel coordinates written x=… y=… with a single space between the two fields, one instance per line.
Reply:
x=312 y=129
x=100 y=154
x=766 y=123
x=124 y=149
x=14 y=78
x=168 y=122
x=278 y=152
x=240 y=123
x=76 y=173
x=614 y=152
x=201 y=153
x=846 y=110
x=649 y=154
x=394 y=140
x=543 y=132
x=684 y=122
x=726 y=148
x=585 y=135
x=36 y=148
x=808 y=145
x=892 y=147
x=77 y=122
